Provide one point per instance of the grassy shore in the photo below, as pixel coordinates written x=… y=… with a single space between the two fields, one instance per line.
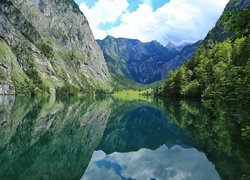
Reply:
x=129 y=95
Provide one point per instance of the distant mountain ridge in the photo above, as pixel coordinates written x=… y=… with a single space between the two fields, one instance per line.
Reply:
x=141 y=62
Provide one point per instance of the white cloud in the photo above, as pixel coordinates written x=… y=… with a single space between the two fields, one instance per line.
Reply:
x=178 y=20
x=104 y=11
x=163 y=163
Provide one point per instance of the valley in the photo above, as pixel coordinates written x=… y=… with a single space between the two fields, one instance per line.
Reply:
x=144 y=63
x=168 y=100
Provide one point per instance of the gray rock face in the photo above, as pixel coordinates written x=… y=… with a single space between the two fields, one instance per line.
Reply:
x=6 y=87
x=143 y=62
x=53 y=38
x=64 y=22
x=7 y=101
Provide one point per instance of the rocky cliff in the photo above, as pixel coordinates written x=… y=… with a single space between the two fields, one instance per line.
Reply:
x=143 y=62
x=47 y=44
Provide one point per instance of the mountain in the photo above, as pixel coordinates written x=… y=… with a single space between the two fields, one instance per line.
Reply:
x=143 y=63
x=219 y=33
x=172 y=46
x=46 y=45
x=221 y=68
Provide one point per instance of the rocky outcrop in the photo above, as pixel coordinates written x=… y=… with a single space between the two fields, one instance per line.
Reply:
x=49 y=43
x=6 y=87
x=143 y=62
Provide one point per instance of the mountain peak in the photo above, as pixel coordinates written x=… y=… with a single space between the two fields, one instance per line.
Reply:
x=109 y=37
x=170 y=45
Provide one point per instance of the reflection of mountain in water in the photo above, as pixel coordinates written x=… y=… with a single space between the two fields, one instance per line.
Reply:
x=139 y=142
x=141 y=127
x=47 y=139
x=50 y=139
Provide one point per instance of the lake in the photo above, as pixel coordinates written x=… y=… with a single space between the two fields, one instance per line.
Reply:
x=83 y=138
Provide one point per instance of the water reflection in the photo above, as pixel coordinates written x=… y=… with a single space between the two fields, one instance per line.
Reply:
x=141 y=126
x=162 y=163
x=43 y=138
x=46 y=139
x=217 y=131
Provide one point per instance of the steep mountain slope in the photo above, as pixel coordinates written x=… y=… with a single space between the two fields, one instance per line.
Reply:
x=221 y=68
x=47 y=44
x=143 y=62
x=219 y=33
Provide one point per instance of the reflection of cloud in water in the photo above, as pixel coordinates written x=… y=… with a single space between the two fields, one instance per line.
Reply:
x=162 y=163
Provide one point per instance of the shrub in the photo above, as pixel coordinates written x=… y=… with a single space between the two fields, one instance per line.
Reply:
x=67 y=90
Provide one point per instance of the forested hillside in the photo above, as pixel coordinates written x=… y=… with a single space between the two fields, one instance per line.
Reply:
x=221 y=68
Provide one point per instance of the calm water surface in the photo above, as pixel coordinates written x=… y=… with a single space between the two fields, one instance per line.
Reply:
x=47 y=138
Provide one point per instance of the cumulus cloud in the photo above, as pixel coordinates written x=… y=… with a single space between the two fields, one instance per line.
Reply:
x=162 y=163
x=177 y=20
x=103 y=11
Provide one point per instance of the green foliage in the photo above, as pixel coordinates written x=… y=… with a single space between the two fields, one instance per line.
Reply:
x=100 y=93
x=46 y=50
x=222 y=132
x=3 y=75
x=220 y=72
x=35 y=85
x=22 y=88
x=192 y=89
x=238 y=22
x=241 y=51
x=246 y=133
x=67 y=90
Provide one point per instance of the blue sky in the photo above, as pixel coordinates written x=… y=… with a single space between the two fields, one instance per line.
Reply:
x=133 y=4
x=162 y=20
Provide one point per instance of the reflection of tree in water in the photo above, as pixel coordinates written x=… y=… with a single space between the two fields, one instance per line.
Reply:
x=51 y=139
x=135 y=125
x=218 y=132
x=43 y=138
